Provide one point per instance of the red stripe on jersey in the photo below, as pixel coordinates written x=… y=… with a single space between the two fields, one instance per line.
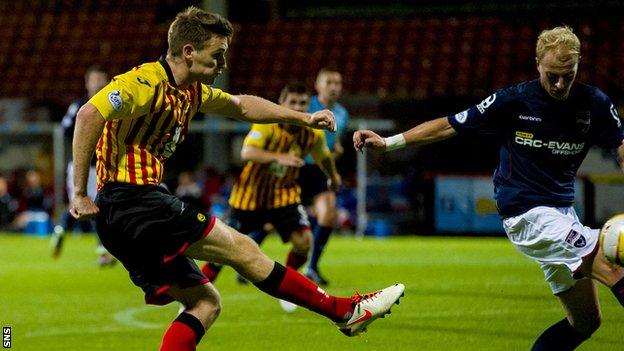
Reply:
x=153 y=163
x=130 y=166
x=144 y=174
x=108 y=147
x=154 y=99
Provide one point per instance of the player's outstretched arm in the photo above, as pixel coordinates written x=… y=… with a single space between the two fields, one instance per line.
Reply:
x=424 y=133
x=254 y=154
x=89 y=126
x=258 y=110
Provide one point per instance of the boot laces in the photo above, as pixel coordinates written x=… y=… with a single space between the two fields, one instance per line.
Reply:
x=357 y=297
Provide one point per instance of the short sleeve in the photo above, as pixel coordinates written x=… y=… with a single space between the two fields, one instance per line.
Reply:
x=487 y=117
x=123 y=98
x=213 y=99
x=258 y=135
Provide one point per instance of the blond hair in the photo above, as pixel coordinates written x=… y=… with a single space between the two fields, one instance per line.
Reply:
x=195 y=26
x=561 y=39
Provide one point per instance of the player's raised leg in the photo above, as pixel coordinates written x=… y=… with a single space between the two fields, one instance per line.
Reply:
x=351 y=314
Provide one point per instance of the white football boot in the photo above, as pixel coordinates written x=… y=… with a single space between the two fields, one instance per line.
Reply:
x=369 y=307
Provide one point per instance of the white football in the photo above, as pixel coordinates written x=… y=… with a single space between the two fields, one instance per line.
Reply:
x=612 y=239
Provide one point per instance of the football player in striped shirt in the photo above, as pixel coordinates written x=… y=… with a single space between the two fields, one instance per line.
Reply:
x=267 y=190
x=134 y=124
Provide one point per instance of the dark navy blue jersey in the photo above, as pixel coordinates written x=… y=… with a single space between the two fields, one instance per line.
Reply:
x=69 y=122
x=543 y=140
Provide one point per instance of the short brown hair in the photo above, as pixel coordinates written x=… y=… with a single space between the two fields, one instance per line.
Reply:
x=293 y=88
x=194 y=26
x=558 y=38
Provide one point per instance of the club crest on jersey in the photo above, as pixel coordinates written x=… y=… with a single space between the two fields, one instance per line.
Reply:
x=575 y=239
x=114 y=97
x=583 y=119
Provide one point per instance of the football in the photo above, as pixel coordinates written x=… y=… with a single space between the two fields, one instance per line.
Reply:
x=612 y=239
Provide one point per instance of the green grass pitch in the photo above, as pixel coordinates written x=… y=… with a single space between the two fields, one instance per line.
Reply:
x=462 y=294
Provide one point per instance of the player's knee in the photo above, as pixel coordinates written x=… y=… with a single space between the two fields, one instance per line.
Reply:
x=326 y=216
x=327 y=219
x=205 y=305
x=302 y=242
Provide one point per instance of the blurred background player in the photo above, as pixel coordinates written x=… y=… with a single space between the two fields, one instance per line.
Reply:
x=548 y=126
x=267 y=190
x=95 y=79
x=319 y=199
x=314 y=187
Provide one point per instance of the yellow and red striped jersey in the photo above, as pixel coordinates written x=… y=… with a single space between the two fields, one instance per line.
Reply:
x=271 y=185
x=147 y=116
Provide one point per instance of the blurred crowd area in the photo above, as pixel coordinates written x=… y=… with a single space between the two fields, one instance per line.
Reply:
x=25 y=197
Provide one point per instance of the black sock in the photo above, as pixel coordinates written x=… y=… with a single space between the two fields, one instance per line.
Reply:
x=193 y=323
x=561 y=336
x=321 y=236
x=618 y=291
x=273 y=281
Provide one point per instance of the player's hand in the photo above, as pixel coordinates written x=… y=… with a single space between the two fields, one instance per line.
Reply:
x=323 y=119
x=334 y=183
x=289 y=160
x=82 y=207
x=369 y=139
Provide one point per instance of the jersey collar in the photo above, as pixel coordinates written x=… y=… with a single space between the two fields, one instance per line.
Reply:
x=163 y=62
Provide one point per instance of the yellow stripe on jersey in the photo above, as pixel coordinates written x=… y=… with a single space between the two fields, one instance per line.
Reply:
x=147 y=116
x=270 y=185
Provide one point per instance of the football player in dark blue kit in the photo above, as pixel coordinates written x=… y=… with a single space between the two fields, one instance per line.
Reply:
x=96 y=78
x=546 y=127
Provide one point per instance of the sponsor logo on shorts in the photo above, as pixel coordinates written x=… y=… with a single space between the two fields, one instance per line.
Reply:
x=575 y=239
x=201 y=217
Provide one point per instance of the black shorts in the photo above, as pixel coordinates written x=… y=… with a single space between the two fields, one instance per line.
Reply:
x=286 y=220
x=312 y=181
x=147 y=229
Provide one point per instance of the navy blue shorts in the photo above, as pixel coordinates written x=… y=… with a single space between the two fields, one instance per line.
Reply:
x=147 y=229
x=286 y=220
x=312 y=181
